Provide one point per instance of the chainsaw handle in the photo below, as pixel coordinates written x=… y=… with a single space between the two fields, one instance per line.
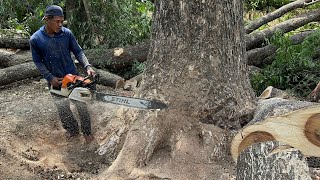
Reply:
x=94 y=79
x=77 y=84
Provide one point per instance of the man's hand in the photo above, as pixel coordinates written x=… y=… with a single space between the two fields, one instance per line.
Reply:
x=90 y=71
x=55 y=82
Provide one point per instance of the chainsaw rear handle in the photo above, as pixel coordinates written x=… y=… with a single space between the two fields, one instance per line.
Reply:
x=79 y=83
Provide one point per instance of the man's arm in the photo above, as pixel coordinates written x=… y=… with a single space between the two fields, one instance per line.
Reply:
x=54 y=81
x=80 y=56
x=77 y=51
x=38 y=61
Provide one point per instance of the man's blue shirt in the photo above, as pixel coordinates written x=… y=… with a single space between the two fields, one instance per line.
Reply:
x=51 y=54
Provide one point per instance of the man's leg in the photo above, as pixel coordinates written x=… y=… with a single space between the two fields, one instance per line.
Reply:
x=85 y=120
x=68 y=121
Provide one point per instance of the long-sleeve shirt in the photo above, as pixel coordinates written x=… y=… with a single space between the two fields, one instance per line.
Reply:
x=52 y=54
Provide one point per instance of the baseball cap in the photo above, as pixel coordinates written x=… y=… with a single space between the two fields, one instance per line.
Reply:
x=53 y=10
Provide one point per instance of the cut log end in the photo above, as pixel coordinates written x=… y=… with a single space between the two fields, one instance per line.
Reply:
x=254 y=137
x=312 y=129
x=297 y=128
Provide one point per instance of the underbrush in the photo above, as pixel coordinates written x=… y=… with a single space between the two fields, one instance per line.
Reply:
x=294 y=67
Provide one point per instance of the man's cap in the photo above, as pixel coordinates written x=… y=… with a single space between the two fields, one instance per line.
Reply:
x=54 y=10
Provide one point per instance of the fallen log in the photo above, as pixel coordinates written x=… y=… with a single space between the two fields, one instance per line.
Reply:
x=28 y=70
x=11 y=59
x=109 y=79
x=257 y=38
x=17 y=73
x=292 y=122
x=273 y=161
x=18 y=43
x=117 y=58
x=276 y=14
x=259 y=56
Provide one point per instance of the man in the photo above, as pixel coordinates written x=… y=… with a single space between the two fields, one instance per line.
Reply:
x=51 y=48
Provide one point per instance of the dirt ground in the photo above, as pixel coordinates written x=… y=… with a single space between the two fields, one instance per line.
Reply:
x=32 y=139
x=33 y=145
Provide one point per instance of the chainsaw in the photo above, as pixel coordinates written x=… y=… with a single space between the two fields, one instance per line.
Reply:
x=84 y=89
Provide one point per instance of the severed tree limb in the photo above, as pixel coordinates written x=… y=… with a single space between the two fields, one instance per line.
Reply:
x=273 y=161
x=11 y=59
x=109 y=79
x=18 y=72
x=276 y=14
x=20 y=43
x=116 y=58
x=255 y=39
x=292 y=122
x=259 y=56
x=27 y=70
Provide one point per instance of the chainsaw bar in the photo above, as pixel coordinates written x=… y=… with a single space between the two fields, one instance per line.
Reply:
x=130 y=101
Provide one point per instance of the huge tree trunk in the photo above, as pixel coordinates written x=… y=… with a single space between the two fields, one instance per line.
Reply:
x=196 y=65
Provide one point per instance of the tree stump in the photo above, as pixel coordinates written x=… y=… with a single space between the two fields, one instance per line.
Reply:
x=273 y=161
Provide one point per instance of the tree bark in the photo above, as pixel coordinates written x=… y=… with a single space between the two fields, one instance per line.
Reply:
x=21 y=43
x=117 y=58
x=18 y=72
x=109 y=79
x=196 y=65
x=11 y=59
x=288 y=121
x=272 y=161
x=259 y=57
x=274 y=15
x=27 y=70
x=255 y=39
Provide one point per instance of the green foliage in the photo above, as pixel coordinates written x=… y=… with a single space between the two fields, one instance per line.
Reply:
x=293 y=68
x=115 y=23
x=24 y=16
x=263 y=4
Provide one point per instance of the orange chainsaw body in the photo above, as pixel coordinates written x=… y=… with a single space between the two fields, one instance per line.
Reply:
x=72 y=79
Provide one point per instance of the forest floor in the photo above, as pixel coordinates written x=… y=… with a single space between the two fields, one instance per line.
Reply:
x=33 y=145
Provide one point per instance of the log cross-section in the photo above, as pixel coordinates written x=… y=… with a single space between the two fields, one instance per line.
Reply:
x=296 y=123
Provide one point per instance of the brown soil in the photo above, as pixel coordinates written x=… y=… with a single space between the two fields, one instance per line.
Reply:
x=32 y=139
x=33 y=145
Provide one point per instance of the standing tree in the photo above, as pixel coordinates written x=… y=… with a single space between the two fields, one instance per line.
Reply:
x=196 y=64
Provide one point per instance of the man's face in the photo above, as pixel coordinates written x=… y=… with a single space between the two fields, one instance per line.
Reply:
x=55 y=24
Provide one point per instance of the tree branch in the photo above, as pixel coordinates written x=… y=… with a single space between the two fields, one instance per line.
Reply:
x=276 y=14
x=258 y=56
x=255 y=39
